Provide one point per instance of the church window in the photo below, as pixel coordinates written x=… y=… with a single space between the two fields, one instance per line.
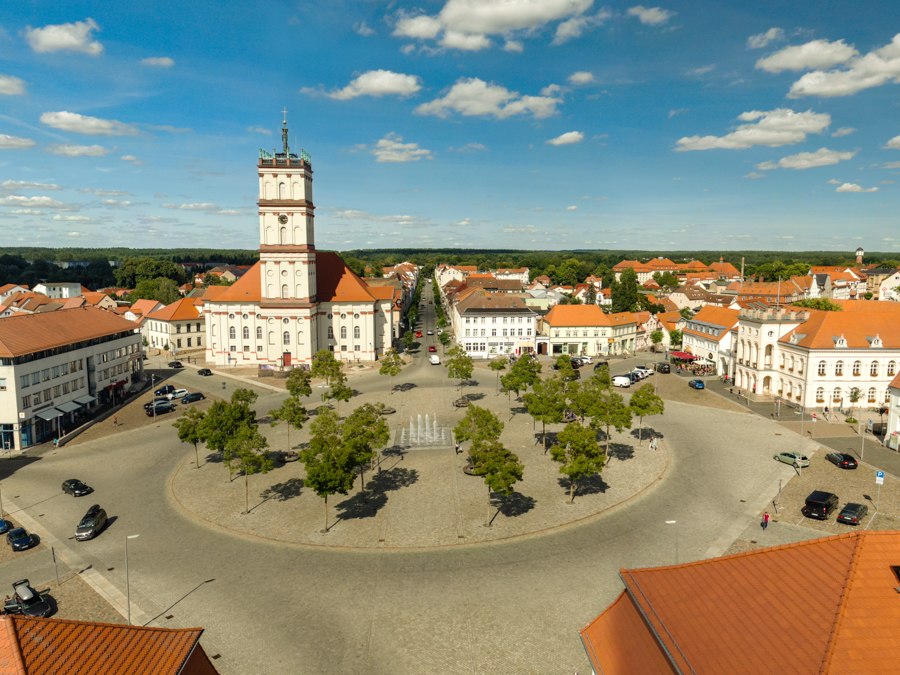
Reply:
x=284 y=291
x=286 y=338
x=356 y=348
x=271 y=337
x=285 y=321
x=330 y=333
x=259 y=332
x=873 y=369
x=282 y=191
x=343 y=332
x=245 y=317
x=246 y=333
x=232 y=332
x=282 y=235
x=356 y=332
x=231 y=316
x=356 y=316
x=343 y=316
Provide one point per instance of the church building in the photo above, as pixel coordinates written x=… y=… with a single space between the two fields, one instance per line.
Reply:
x=296 y=300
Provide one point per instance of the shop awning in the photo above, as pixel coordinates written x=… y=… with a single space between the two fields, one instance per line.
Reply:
x=68 y=406
x=84 y=400
x=48 y=414
x=684 y=356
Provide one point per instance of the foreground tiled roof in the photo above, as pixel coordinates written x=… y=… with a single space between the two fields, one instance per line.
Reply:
x=28 y=333
x=335 y=282
x=185 y=309
x=822 y=606
x=562 y=316
x=54 y=646
x=721 y=317
x=858 y=323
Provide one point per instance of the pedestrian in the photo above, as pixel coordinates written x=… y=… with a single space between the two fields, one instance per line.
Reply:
x=115 y=420
x=457 y=449
x=765 y=520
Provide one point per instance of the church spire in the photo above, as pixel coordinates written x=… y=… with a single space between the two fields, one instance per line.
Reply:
x=284 y=134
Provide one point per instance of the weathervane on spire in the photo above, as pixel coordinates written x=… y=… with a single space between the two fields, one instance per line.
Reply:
x=284 y=133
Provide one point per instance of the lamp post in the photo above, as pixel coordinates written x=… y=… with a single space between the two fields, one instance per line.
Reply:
x=675 y=523
x=127 y=580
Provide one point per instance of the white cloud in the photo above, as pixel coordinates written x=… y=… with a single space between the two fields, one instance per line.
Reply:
x=27 y=185
x=474 y=97
x=73 y=37
x=260 y=130
x=674 y=112
x=891 y=165
x=578 y=25
x=761 y=40
x=158 y=62
x=581 y=77
x=391 y=148
x=378 y=83
x=11 y=86
x=753 y=175
x=70 y=219
x=808 y=160
x=893 y=144
x=104 y=193
x=853 y=187
x=66 y=150
x=31 y=202
x=871 y=70
x=468 y=24
x=131 y=159
x=193 y=206
x=843 y=131
x=572 y=207
x=568 y=138
x=650 y=16
x=702 y=70
x=772 y=128
x=514 y=46
x=552 y=90
x=470 y=147
x=15 y=142
x=82 y=124
x=364 y=29
x=812 y=55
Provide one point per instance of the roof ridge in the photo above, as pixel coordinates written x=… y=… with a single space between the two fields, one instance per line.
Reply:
x=845 y=594
x=107 y=624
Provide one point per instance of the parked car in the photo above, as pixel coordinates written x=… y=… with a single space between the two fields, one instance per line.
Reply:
x=792 y=458
x=621 y=381
x=160 y=408
x=432 y=349
x=178 y=393
x=164 y=390
x=634 y=377
x=91 y=524
x=435 y=360
x=5 y=526
x=852 y=513
x=76 y=488
x=842 y=459
x=574 y=375
x=26 y=601
x=20 y=539
x=819 y=505
x=576 y=362
x=696 y=384
x=430 y=332
x=192 y=397
x=175 y=364
x=644 y=371
x=158 y=399
x=601 y=364
x=206 y=372
x=418 y=333
x=663 y=367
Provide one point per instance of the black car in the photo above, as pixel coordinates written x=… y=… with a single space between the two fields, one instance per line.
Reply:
x=819 y=505
x=601 y=364
x=20 y=539
x=663 y=368
x=852 y=513
x=91 y=524
x=842 y=459
x=27 y=601
x=175 y=364
x=158 y=399
x=191 y=397
x=159 y=408
x=576 y=363
x=76 y=488
x=205 y=372
x=164 y=390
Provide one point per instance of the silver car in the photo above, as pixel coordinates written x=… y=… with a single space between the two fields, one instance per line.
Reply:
x=792 y=458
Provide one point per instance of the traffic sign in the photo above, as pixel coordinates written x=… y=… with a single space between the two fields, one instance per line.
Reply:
x=879 y=477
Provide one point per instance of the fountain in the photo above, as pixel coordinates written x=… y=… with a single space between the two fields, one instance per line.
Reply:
x=424 y=432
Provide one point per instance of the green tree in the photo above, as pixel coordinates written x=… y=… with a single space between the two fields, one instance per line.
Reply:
x=224 y=420
x=331 y=370
x=523 y=374
x=498 y=364
x=329 y=470
x=362 y=433
x=190 y=429
x=546 y=403
x=675 y=336
x=656 y=337
x=610 y=412
x=823 y=304
x=645 y=402
x=459 y=365
x=854 y=395
x=134 y=270
x=247 y=451
x=666 y=280
x=160 y=289
x=292 y=413
x=565 y=368
x=500 y=468
x=407 y=340
x=478 y=425
x=299 y=382
x=391 y=365
x=583 y=396
x=444 y=339
x=625 y=292
x=579 y=453
x=686 y=313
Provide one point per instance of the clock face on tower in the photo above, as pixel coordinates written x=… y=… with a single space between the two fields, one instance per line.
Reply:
x=282 y=219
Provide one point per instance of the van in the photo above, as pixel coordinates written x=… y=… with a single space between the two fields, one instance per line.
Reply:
x=819 y=505
x=621 y=381
x=435 y=360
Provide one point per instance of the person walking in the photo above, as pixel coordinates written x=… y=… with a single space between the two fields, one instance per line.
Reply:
x=765 y=521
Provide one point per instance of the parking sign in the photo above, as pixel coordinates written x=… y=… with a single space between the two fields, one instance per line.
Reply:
x=879 y=478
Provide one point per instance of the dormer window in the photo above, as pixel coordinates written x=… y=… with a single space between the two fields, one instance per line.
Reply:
x=840 y=342
x=876 y=342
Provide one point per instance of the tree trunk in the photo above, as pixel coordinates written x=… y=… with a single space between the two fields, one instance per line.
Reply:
x=326 y=514
x=607 y=440
x=488 y=521
x=641 y=430
x=196 y=456
x=246 y=491
x=544 y=434
x=571 y=490
x=289 y=436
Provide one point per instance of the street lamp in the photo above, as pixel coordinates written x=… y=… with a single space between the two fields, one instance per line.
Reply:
x=127 y=581
x=675 y=523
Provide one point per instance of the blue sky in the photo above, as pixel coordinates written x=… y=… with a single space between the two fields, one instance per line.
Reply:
x=534 y=124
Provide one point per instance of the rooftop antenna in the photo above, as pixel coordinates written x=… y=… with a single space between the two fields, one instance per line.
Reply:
x=284 y=132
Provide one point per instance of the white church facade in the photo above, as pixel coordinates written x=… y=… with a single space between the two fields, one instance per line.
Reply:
x=296 y=300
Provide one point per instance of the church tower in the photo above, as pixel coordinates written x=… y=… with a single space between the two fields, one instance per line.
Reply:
x=287 y=250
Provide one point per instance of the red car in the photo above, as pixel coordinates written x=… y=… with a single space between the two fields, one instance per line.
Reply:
x=432 y=348
x=418 y=333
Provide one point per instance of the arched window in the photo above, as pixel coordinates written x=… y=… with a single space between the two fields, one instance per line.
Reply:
x=271 y=337
x=873 y=369
x=356 y=332
x=343 y=332
x=871 y=397
x=821 y=367
x=836 y=395
x=839 y=368
x=282 y=235
x=282 y=191
x=284 y=291
x=232 y=332
x=246 y=332
x=857 y=367
x=259 y=332
x=820 y=395
x=330 y=333
x=892 y=368
x=286 y=338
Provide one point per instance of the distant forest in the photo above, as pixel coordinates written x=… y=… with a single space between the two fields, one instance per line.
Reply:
x=32 y=265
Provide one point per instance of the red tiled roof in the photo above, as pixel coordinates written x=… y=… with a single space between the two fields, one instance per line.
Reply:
x=562 y=316
x=821 y=606
x=186 y=309
x=335 y=282
x=52 y=646
x=245 y=289
x=22 y=334
x=859 y=321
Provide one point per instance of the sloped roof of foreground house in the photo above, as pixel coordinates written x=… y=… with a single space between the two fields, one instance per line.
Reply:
x=836 y=611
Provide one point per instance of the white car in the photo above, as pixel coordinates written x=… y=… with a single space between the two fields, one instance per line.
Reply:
x=621 y=381
x=178 y=393
x=435 y=360
x=585 y=360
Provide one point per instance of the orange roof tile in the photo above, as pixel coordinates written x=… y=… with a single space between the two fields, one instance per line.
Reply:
x=51 y=646
x=186 y=309
x=858 y=323
x=895 y=383
x=585 y=315
x=335 y=282
x=22 y=334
